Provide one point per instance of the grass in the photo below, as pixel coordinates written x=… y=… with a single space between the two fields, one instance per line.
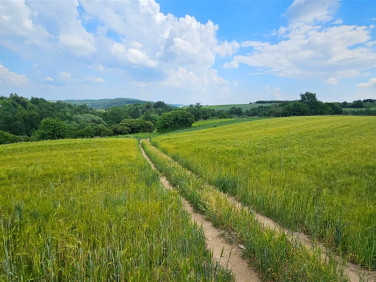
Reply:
x=93 y=210
x=214 y=121
x=272 y=254
x=315 y=174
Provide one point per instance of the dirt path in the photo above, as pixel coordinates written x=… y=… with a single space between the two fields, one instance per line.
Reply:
x=226 y=254
x=354 y=272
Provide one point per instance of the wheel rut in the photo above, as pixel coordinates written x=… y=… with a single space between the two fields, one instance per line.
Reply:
x=353 y=272
x=227 y=255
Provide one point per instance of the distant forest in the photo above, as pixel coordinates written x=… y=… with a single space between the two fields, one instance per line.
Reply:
x=23 y=119
x=105 y=103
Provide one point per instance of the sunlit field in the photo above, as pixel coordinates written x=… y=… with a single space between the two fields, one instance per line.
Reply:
x=93 y=210
x=315 y=174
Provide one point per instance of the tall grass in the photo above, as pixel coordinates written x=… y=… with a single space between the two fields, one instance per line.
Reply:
x=93 y=210
x=273 y=255
x=315 y=174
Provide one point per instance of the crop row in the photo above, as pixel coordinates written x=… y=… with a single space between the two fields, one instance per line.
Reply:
x=93 y=210
x=313 y=174
x=273 y=255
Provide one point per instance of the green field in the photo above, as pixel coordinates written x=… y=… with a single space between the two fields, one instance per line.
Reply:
x=243 y=106
x=315 y=174
x=272 y=254
x=75 y=210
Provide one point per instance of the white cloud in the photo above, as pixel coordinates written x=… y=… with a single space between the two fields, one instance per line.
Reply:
x=308 y=11
x=93 y=79
x=49 y=78
x=310 y=49
x=12 y=78
x=368 y=84
x=331 y=81
x=226 y=48
x=17 y=26
x=131 y=55
x=65 y=75
x=77 y=41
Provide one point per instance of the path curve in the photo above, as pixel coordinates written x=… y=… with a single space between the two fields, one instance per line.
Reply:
x=227 y=255
x=354 y=273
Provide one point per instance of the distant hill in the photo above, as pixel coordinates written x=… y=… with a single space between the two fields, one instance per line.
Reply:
x=105 y=103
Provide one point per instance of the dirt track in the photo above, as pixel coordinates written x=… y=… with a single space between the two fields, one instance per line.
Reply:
x=354 y=272
x=226 y=254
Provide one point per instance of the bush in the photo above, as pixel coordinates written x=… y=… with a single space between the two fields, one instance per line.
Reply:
x=51 y=128
x=137 y=125
x=88 y=118
x=174 y=120
x=120 y=129
x=7 y=138
x=296 y=109
x=93 y=130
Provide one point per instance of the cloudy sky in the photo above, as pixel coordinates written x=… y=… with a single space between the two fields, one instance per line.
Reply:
x=213 y=52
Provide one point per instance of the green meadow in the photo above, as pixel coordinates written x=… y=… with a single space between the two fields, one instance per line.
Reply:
x=93 y=209
x=313 y=174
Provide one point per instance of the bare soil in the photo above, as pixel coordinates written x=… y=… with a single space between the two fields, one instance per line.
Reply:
x=353 y=272
x=226 y=254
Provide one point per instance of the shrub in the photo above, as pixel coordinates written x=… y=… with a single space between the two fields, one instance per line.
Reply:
x=120 y=129
x=93 y=130
x=137 y=125
x=51 y=128
x=6 y=138
x=174 y=120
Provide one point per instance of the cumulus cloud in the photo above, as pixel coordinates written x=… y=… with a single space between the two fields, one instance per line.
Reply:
x=18 y=27
x=77 y=41
x=310 y=47
x=132 y=37
x=368 y=84
x=308 y=11
x=226 y=48
x=12 y=78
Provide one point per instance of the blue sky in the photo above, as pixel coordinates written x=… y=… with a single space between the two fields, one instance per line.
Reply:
x=213 y=52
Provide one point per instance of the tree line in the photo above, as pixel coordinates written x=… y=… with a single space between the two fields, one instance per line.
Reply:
x=308 y=105
x=23 y=119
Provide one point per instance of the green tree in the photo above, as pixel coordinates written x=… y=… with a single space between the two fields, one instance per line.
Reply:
x=235 y=111
x=315 y=107
x=93 y=130
x=296 y=109
x=115 y=115
x=11 y=117
x=137 y=125
x=51 y=128
x=174 y=120
x=120 y=129
x=6 y=138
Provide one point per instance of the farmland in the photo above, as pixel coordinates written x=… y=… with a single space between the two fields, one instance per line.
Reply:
x=93 y=209
x=275 y=255
x=313 y=174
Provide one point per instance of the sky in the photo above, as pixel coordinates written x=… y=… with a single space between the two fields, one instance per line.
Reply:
x=185 y=52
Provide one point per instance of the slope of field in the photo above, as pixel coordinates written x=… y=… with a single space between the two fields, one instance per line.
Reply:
x=276 y=255
x=316 y=174
x=93 y=210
